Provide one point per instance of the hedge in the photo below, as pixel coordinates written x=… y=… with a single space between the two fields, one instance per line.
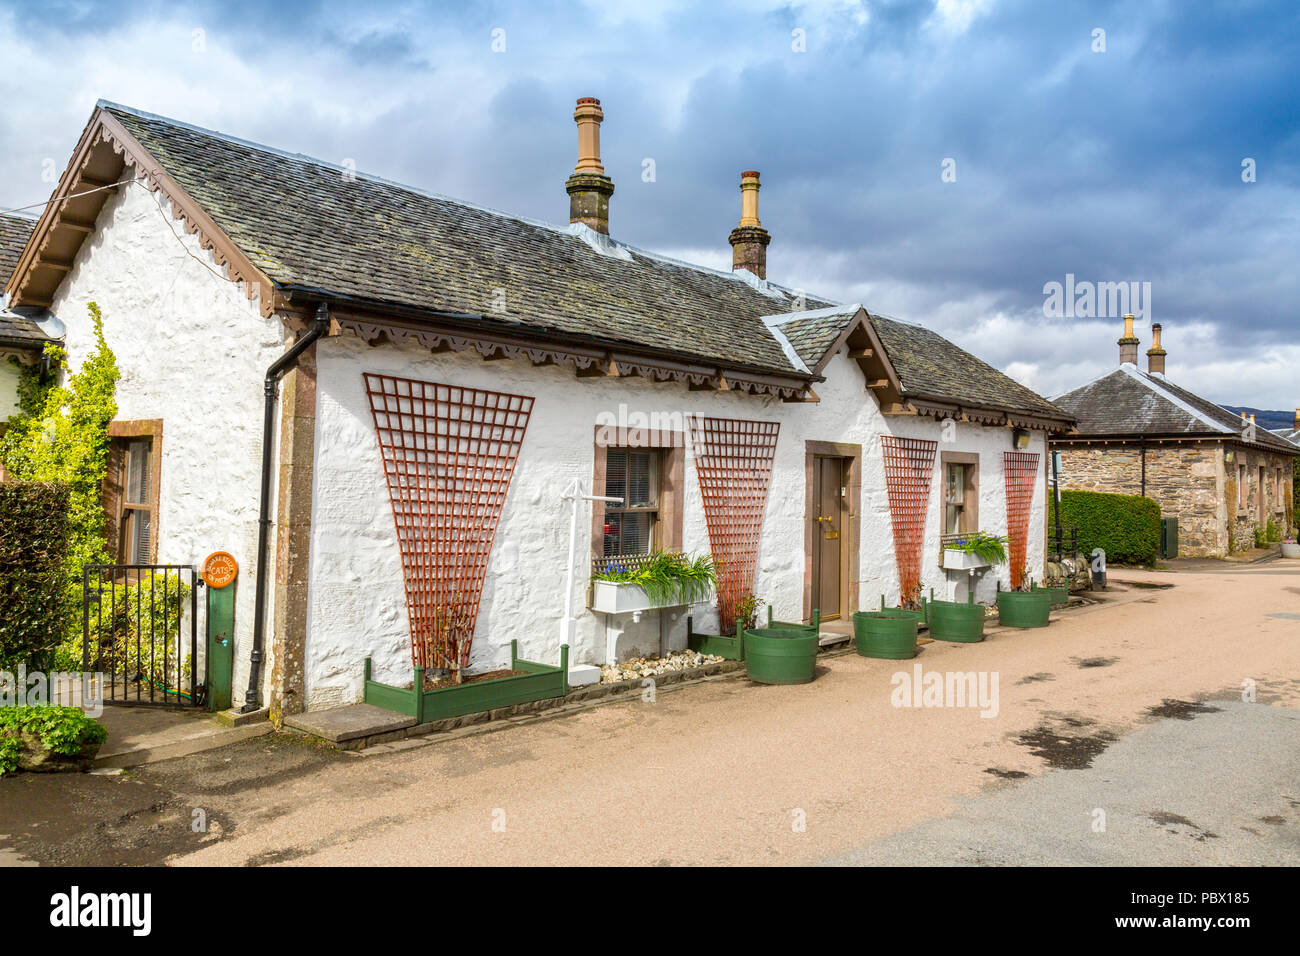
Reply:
x=1126 y=527
x=33 y=580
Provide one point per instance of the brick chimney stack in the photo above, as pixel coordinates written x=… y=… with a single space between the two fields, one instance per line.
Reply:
x=589 y=188
x=1128 y=343
x=749 y=239
x=1155 y=354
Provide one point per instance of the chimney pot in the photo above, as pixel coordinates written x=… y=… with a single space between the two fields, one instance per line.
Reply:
x=1156 y=354
x=589 y=188
x=1128 y=343
x=749 y=240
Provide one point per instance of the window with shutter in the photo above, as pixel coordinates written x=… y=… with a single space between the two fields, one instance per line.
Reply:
x=632 y=475
x=131 y=490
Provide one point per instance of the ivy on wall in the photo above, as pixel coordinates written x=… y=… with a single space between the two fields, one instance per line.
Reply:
x=61 y=435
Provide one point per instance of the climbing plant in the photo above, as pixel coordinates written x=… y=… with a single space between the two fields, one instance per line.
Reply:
x=60 y=434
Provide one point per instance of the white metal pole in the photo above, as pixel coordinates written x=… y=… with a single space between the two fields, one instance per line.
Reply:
x=574 y=492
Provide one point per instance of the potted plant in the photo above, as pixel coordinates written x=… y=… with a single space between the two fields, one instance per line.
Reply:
x=973 y=551
x=728 y=647
x=956 y=621
x=888 y=634
x=781 y=655
x=1290 y=548
x=1027 y=607
x=662 y=580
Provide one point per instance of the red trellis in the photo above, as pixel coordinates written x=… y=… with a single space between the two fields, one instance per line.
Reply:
x=1020 y=471
x=909 y=466
x=733 y=459
x=449 y=453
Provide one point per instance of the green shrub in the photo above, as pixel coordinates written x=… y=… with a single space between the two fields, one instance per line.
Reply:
x=61 y=730
x=61 y=435
x=1126 y=527
x=33 y=552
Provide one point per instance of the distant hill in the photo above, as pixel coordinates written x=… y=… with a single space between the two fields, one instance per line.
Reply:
x=1265 y=418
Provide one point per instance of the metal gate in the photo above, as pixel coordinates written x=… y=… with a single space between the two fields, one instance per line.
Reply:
x=140 y=633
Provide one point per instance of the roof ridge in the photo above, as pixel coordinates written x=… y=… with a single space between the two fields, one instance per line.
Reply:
x=1159 y=389
x=436 y=196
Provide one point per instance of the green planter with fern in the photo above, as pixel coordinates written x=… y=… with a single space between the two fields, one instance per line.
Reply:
x=662 y=580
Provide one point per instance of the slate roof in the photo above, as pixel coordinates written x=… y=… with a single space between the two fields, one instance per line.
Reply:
x=14 y=232
x=1129 y=402
x=1290 y=434
x=304 y=223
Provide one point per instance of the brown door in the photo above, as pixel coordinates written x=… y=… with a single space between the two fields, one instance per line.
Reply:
x=827 y=512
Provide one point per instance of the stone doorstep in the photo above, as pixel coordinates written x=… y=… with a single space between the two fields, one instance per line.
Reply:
x=182 y=748
x=356 y=727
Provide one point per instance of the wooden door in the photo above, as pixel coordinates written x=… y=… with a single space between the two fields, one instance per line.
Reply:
x=827 y=515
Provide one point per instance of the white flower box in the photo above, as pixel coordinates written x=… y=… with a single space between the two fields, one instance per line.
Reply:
x=954 y=560
x=1291 y=549
x=613 y=597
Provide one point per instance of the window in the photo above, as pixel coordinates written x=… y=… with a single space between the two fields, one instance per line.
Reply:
x=1241 y=486
x=633 y=475
x=960 y=492
x=130 y=493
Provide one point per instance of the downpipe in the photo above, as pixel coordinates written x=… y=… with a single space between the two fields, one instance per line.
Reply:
x=276 y=371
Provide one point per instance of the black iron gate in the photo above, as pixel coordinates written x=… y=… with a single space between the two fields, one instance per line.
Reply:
x=140 y=633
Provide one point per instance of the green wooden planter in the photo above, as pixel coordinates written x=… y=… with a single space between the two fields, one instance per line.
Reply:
x=1060 y=596
x=780 y=655
x=884 y=635
x=962 y=623
x=540 y=682
x=1024 y=608
x=918 y=616
x=728 y=648
x=815 y=625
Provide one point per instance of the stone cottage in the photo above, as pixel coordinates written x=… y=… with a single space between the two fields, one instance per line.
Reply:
x=1140 y=434
x=382 y=402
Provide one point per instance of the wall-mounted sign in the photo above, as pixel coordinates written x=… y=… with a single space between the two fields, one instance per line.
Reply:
x=219 y=569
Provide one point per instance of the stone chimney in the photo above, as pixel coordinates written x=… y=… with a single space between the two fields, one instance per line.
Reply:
x=589 y=188
x=1155 y=354
x=749 y=239
x=1128 y=343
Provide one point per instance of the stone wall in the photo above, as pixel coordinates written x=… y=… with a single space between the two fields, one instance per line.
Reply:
x=1190 y=481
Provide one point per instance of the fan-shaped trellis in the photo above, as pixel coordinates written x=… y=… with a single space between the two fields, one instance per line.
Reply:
x=909 y=467
x=733 y=459
x=449 y=453
x=1020 y=475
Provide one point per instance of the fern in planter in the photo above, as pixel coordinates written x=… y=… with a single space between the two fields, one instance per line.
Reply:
x=666 y=576
x=989 y=548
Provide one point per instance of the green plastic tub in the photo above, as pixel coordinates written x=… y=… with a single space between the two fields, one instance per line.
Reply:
x=918 y=616
x=961 y=623
x=780 y=655
x=884 y=635
x=1060 y=596
x=1024 y=608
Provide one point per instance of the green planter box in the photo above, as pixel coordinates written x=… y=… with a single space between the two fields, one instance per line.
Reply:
x=540 y=682
x=779 y=655
x=814 y=626
x=1024 y=608
x=959 y=622
x=885 y=635
x=918 y=616
x=728 y=648
x=1059 y=596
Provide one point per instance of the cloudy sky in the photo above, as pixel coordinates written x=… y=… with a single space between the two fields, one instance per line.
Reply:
x=938 y=161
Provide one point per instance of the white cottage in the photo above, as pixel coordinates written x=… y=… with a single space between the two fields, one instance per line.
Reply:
x=377 y=400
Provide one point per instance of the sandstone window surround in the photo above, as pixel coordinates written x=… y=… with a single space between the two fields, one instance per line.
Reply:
x=960 y=488
x=646 y=468
x=131 y=490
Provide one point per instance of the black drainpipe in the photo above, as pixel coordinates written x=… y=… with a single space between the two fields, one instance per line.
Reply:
x=1144 y=465
x=253 y=699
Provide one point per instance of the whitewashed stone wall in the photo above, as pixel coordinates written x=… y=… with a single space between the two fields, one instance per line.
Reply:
x=8 y=387
x=357 y=603
x=192 y=350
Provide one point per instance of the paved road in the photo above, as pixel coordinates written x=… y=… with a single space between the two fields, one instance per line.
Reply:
x=1089 y=715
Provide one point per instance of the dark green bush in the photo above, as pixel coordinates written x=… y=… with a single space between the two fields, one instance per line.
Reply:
x=33 y=576
x=1126 y=527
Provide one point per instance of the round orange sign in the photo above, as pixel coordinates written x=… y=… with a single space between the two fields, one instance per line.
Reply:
x=219 y=569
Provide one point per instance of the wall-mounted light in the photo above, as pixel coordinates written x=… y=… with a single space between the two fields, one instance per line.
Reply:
x=1019 y=439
